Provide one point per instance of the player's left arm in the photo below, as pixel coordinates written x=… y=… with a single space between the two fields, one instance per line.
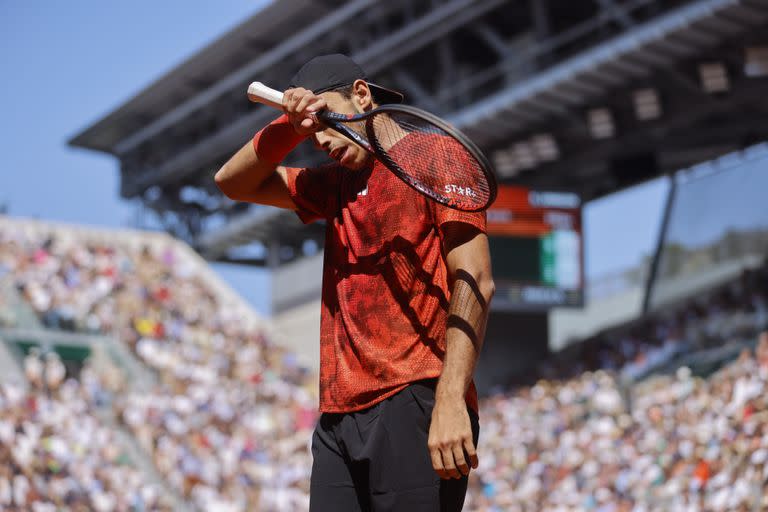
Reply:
x=469 y=266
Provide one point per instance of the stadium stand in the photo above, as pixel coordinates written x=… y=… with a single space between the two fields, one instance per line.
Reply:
x=686 y=444
x=715 y=322
x=631 y=419
x=658 y=414
x=229 y=403
x=58 y=454
x=621 y=422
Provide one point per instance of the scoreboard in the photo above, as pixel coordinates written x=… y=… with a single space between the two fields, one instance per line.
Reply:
x=536 y=249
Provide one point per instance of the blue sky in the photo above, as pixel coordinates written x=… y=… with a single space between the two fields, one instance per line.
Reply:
x=66 y=64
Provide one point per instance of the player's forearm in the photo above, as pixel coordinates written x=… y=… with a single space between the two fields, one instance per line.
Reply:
x=467 y=318
x=252 y=173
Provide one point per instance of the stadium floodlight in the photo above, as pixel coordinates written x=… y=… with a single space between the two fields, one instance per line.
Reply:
x=505 y=163
x=524 y=155
x=545 y=147
x=714 y=77
x=647 y=104
x=756 y=61
x=601 y=124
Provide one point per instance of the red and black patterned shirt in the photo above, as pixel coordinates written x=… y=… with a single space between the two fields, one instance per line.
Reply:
x=385 y=293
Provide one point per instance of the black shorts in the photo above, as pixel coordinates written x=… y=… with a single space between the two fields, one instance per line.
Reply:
x=377 y=459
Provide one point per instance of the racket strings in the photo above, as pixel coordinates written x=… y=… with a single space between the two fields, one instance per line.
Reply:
x=430 y=159
x=358 y=127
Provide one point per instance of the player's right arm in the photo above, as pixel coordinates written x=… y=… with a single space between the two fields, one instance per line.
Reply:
x=246 y=177
x=253 y=174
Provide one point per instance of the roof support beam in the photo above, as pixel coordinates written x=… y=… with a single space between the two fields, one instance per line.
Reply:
x=617 y=12
x=427 y=29
x=652 y=136
x=653 y=34
x=541 y=51
x=339 y=17
x=540 y=18
x=379 y=55
x=491 y=38
x=414 y=89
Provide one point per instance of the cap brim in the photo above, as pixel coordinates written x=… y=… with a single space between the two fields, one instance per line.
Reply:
x=384 y=95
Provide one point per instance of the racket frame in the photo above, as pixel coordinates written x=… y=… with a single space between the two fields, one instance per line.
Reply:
x=260 y=93
x=338 y=122
x=472 y=149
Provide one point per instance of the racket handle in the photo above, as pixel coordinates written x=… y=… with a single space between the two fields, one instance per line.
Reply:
x=260 y=93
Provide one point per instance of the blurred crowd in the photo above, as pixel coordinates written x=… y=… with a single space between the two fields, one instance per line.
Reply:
x=57 y=454
x=228 y=423
x=584 y=434
x=686 y=444
x=727 y=314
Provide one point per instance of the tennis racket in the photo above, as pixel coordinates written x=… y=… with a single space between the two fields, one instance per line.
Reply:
x=421 y=149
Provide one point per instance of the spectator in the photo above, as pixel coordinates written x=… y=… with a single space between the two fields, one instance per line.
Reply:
x=54 y=371
x=57 y=453
x=33 y=368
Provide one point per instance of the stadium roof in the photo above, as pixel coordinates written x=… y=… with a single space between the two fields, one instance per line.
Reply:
x=259 y=33
x=505 y=73
x=590 y=74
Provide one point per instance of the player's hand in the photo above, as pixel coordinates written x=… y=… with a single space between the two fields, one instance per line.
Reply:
x=301 y=105
x=450 y=439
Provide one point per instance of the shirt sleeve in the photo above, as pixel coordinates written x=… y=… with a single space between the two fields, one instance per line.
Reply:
x=444 y=216
x=315 y=191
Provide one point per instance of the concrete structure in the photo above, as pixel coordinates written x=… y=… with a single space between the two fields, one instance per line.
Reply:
x=622 y=91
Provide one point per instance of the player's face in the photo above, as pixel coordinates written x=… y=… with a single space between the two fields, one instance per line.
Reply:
x=338 y=147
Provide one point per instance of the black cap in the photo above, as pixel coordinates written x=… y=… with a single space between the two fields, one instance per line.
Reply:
x=329 y=72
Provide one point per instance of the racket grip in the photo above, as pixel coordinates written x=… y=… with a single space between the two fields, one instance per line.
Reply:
x=260 y=93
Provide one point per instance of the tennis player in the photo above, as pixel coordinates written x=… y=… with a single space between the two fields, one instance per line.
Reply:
x=406 y=288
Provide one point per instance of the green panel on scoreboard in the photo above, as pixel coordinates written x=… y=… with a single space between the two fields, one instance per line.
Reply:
x=547 y=259
x=536 y=249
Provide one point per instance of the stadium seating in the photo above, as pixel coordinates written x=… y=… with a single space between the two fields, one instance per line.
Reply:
x=228 y=423
x=591 y=436
x=58 y=454
x=602 y=426
x=685 y=443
